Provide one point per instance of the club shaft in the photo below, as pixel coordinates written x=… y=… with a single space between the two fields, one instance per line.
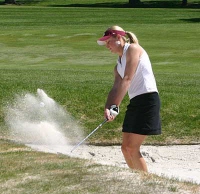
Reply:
x=89 y=135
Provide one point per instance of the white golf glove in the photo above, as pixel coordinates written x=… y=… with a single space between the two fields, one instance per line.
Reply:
x=114 y=110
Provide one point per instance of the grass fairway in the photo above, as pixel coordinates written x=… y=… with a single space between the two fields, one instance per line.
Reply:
x=53 y=47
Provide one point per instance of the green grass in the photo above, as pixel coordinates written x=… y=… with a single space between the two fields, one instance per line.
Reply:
x=54 y=48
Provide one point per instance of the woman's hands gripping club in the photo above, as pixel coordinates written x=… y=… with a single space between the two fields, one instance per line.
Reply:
x=111 y=113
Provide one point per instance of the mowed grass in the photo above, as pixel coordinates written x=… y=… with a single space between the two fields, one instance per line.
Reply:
x=55 y=49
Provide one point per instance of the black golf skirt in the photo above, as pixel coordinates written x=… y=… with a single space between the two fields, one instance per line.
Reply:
x=143 y=115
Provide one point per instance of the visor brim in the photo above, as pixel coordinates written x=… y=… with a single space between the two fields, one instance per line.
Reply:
x=101 y=41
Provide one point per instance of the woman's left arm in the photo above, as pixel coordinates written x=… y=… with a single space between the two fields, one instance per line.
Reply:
x=121 y=86
x=132 y=58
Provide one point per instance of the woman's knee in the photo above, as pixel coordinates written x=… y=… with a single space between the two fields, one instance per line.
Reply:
x=130 y=150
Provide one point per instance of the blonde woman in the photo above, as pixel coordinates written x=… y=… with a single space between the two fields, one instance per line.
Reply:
x=133 y=74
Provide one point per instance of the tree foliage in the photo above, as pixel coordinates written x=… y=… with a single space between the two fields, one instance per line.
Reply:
x=135 y=3
x=10 y=2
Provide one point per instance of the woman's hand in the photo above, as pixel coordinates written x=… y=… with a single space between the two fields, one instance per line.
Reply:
x=111 y=113
x=108 y=116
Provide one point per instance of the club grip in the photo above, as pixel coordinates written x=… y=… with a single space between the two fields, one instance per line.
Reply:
x=114 y=110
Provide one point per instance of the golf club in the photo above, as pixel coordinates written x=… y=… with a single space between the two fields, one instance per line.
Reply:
x=89 y=135
x=114 y=111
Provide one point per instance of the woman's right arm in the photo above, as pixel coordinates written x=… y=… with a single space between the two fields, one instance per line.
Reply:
x=112 y=98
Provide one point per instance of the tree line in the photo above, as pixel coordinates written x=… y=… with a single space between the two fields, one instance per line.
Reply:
x=132 y=3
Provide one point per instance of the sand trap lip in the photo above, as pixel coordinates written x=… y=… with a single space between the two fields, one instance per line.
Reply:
x=178 y=161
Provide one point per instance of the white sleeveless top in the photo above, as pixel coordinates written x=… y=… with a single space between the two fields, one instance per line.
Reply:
x=143 y=80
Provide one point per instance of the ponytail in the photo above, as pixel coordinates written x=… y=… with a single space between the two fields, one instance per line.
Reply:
x=132 y=38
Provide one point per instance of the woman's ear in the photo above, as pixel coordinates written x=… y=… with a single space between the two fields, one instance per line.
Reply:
x=118 y=37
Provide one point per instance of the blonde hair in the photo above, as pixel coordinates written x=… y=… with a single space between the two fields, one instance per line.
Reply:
x=131 y=36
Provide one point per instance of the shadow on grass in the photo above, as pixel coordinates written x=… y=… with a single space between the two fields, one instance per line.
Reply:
x=146 y=4
x=191 y=20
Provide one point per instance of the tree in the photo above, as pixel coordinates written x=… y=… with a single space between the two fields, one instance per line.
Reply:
x=184 y=2
x=10 y=2
x=134 y=3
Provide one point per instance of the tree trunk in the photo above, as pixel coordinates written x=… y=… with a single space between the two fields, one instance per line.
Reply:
x=184 y=2
x=10 y=2
x=134 y=3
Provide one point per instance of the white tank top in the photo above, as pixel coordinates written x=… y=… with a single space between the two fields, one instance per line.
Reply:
x=143 y=80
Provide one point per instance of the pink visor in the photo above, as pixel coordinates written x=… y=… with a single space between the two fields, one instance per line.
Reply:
x=108 y=34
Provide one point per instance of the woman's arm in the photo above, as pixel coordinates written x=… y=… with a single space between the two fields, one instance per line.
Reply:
x=121 y=86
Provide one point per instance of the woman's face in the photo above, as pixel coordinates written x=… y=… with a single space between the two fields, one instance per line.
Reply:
x=111 y=44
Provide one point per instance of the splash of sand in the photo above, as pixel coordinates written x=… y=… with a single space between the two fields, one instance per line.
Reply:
x=39 y=120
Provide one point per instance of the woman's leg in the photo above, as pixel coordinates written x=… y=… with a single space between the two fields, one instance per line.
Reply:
x=131 y=150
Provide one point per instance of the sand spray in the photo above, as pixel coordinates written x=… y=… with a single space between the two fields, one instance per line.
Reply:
x=38 y=121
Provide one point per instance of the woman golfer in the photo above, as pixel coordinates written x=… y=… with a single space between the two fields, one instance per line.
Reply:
x=133 y=74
